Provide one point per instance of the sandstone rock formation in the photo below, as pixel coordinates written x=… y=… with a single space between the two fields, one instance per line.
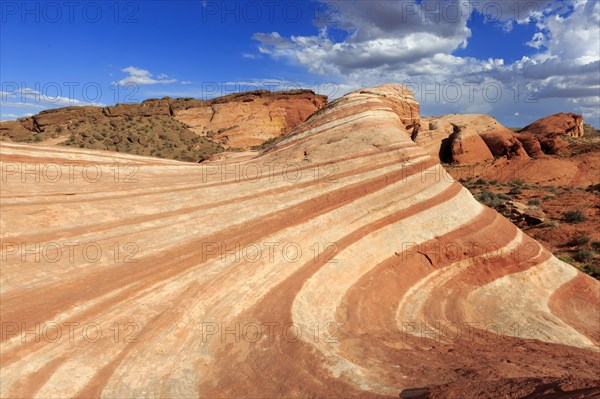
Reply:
x=471 y=139
x=343 y=262
x=548 y=132
x=237 y=120
x=558 y=124
x=249 y=119
x=481 y=139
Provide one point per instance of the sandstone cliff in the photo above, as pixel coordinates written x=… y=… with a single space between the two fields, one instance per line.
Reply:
x=184 y=128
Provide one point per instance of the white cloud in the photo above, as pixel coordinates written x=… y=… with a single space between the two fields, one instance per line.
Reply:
x=20 y=104
x=391 y=42
x=32 y=98
x=252 y=56
x=12 y=117
x=138 y=76
x=537 y=40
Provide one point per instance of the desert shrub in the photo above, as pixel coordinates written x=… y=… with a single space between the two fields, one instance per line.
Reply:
x=59 y=129
x=584 y=255
x=533 y=202
x=504 y=197
x=515 y=190
x=578 y=241
x=549 y=223
x=490 y=199
x=596 y=245
x=574 y=217
x=592 y=270
x=567 y=259
x=516 y=182
x=481 y=182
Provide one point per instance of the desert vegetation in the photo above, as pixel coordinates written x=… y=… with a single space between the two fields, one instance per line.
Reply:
x=571 y=235
x=158 y=136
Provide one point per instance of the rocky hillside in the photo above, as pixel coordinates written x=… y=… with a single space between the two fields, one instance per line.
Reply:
x=462 y=139
x=342 y=262
x=184 y=129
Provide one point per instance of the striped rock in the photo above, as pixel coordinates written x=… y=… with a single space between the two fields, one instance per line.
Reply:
x=343 y=262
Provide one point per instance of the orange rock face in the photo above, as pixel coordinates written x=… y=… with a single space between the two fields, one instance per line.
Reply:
x=468 y=138
x=249 y=119
x=558 y=124
x=343 y=262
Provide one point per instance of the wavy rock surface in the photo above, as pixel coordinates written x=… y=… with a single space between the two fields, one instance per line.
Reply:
x=343 y=262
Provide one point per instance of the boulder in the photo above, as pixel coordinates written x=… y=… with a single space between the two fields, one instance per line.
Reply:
x=520 y=213
x=504 y=144
x=531 y=144
x=467 y=148
x=554 y=145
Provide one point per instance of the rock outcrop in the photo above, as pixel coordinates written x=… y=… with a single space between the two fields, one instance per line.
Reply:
x=560 y=124
x=481 y=138
x=466 y=147
x=238 y=120
x=249 y=119
x=549 y=132
x=342 y=262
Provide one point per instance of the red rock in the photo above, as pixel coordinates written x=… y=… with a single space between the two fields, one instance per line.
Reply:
x=467 y=148
x=482 y=138
x=531 y=144
x=554 y=145
x=395 y=280
x=248 y=119
x=557 y=124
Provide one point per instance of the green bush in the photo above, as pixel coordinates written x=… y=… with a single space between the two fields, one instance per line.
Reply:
x=533 y=202
x=596 y=245
x=516 y=182
x=584 y=255
x=592 y=270
x=490 y=199
x=567 y=259
x=549 y=223
x=575 y=217
x=578 y=241
x=515 y=190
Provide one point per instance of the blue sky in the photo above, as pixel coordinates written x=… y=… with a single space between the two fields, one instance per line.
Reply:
x=514 y=60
